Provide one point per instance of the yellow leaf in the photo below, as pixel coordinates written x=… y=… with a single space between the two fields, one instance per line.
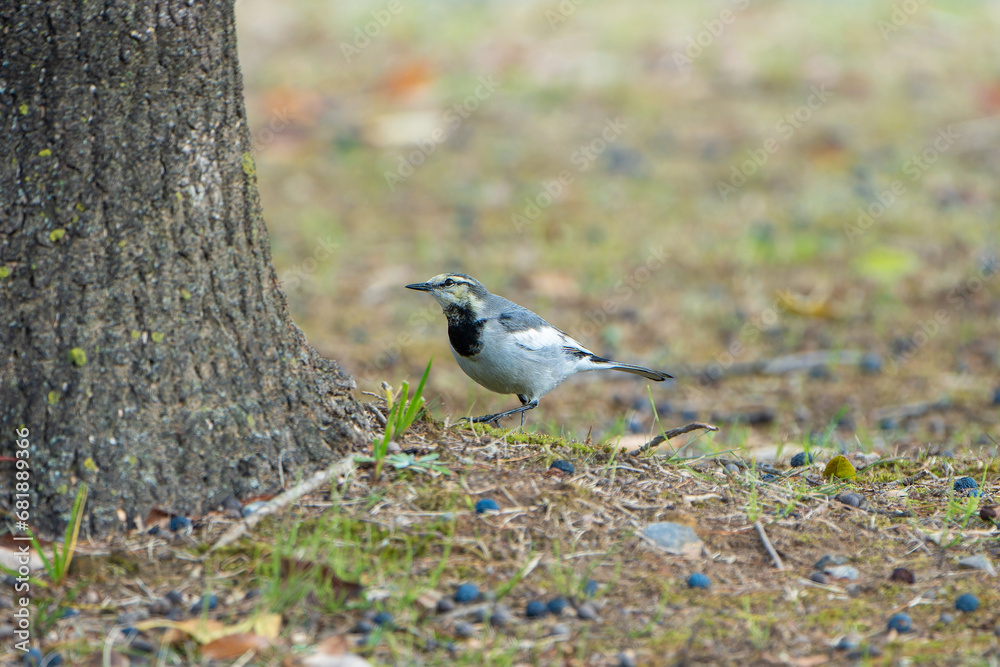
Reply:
x=816 y=304
x=204 y=631
x=839 y=467
x=267 y=625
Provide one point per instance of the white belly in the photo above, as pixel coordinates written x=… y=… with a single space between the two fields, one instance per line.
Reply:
x=516 y=372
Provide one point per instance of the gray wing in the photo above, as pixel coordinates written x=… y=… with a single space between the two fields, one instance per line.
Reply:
x=520 y=319
x=530 y=332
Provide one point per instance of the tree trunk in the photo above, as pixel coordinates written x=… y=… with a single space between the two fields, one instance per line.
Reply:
x=144 y=341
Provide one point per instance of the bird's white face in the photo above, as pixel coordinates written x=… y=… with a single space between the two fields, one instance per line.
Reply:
x=454 y=289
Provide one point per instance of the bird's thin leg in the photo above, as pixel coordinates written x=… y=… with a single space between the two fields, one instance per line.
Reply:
x=487 y=419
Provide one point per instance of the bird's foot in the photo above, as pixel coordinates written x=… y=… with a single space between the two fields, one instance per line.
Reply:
x=490 y=419
x=486 y=419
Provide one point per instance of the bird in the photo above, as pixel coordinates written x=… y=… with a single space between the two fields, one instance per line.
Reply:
x=509 y=349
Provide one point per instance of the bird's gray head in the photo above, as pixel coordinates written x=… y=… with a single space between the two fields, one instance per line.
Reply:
x=455 y=290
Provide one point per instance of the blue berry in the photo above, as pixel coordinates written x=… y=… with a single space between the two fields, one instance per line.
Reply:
x=801 y=459
x=590 y=590
x=965 y=483
x=363 y=627
x=535 y=608
x=699 y=580
x=211 y=600
x=52 y=660
x=996 y=396
x=466 y=593
x=901 y=623
x=383 y=619
x=871 y=363
x=819 y=373
x=846 y=643
x=32 y=658
x=556 y=605
x=486 y=505
x=967 y=602
x=179 y=523
x=564 y=466
x=69 y=612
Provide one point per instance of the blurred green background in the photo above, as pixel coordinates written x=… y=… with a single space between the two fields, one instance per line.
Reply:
x=717 y=162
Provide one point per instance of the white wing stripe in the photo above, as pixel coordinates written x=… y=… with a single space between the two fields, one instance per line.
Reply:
x=536 y=339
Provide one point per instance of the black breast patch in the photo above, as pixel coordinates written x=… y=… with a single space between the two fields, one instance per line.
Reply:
x=464 y=331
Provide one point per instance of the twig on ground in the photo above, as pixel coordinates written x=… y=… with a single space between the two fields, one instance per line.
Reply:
x=378 y=415
x=895 y=514
x=673 y=433
x=882 y=462
x=906 y=481
x=767 y=545
x=344 y=466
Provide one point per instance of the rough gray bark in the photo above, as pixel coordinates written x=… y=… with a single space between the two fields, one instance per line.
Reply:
x=144 y=341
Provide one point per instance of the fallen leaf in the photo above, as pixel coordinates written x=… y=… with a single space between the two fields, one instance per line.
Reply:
x=408 y=80
x=233 y=646
x=333 y=645
x=839 y=467
x=816 y=304
x=204 y=631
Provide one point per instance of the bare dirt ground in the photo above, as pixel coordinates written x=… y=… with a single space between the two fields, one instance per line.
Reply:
x=789 y=206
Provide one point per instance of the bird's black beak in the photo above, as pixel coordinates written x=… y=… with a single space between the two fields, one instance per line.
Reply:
x=421 y=287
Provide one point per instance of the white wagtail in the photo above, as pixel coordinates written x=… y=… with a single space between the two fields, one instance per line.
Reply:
x=509 y=349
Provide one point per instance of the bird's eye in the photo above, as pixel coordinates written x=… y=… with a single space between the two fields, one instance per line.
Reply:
x=449 y=282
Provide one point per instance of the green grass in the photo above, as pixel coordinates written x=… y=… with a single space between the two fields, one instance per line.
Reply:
x=403 y=411
x=57 y=567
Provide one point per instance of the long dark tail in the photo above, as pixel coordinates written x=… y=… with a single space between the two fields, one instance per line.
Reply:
x=648 y=373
